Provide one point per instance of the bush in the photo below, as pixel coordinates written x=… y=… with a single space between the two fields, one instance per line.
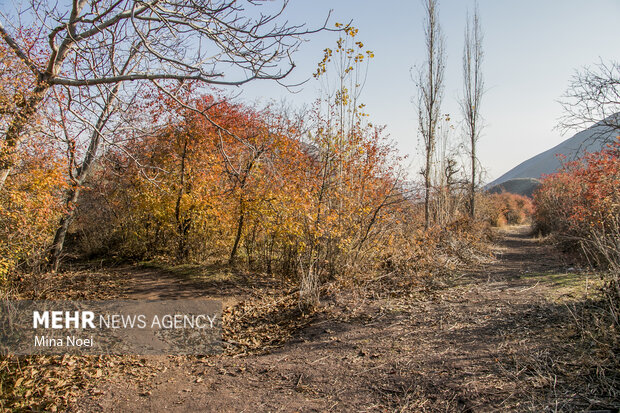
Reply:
x=30 y=207
x=581 y=205
x=505 y=209
x=582 y=198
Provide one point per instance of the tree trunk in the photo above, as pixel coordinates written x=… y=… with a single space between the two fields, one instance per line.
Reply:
x=182 y=224
x=80 y=177
x=4 y=173
x=309 y=290
x=233 y=253
x=63 y=227
x=427 y=190
x=472 y=189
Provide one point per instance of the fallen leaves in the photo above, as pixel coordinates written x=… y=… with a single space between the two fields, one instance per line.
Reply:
x=259 y=324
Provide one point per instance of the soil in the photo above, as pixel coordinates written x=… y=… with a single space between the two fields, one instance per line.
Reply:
x=485 y=342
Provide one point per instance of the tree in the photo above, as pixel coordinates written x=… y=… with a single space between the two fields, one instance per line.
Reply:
x=473 y=89
x=87 y=44
x=97 y=52
x=430 y=93
x=73 y=120
x=447 y=187
x=337 y=136
x=593 y=96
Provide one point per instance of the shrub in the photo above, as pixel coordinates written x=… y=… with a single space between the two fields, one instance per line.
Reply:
x=582 y=198
x=505 y=209
x=30 y=207
x=581 y=205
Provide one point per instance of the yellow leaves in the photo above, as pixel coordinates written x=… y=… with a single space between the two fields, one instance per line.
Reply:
x=351 y=31
x=30 y=205
x=342 y=96
x=345 y=60
x=322 y=65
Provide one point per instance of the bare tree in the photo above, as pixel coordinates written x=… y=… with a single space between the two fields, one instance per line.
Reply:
x=473 y=89
x=93 y=112
x=79 y=170
x=593 y=96
x=213 y=41
x=446 y=181
x=430 y=93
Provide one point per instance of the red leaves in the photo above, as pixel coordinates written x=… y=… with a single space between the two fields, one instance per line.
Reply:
x=584 y=195
x=506 y=209
x=239 y=177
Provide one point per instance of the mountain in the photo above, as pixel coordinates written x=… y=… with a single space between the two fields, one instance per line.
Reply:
x=521 y=186
x=524 y=177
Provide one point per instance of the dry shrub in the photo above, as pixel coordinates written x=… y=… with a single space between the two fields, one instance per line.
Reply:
x=602 y=248
x=505 y=209
x=580 y=206
x=466 y=241
x=429 y=257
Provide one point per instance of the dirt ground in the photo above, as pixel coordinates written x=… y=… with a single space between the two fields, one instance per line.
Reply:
x=496 y=339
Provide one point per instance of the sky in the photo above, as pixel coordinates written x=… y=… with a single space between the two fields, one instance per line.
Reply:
x=532 y=49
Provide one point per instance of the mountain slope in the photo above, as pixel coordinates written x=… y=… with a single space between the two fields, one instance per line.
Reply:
x=592 y=139
x=520 y=186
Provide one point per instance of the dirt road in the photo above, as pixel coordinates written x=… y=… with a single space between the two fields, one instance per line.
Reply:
x=482 y=344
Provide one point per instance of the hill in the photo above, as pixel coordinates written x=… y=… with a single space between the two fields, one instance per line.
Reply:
x=521 y=186
x=592 y=139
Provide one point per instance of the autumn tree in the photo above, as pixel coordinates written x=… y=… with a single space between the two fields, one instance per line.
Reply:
x=473 y=89
x=30 y=204
x=195 y=187
x=430 y=86
x=215 y=42
x=100 y=52
x=336 y=133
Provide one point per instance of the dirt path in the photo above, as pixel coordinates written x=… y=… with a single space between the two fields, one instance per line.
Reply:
x=466 y=348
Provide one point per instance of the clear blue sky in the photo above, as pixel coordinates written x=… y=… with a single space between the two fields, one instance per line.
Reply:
x=532 y=47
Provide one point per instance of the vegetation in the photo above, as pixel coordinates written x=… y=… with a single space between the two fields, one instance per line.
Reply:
x=581 y=205
x=430 y=84
x=473 y=89
x=506 y=209
x=173 y=172
x=116 y=147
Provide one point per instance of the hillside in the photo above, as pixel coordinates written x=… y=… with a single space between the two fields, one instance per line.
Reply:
x=592 y=139
x=520 y=186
